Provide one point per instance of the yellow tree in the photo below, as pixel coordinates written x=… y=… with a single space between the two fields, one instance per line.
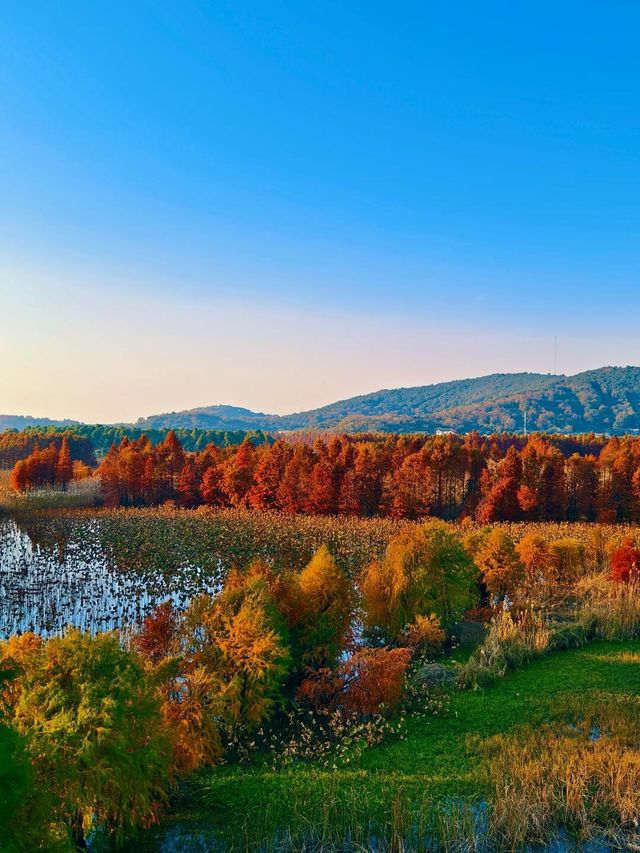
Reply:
x=499 y=564
x=241 y=638
x=322 y=626
x=424 y=571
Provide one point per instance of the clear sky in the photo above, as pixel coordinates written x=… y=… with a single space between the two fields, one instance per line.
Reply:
x=279 y=204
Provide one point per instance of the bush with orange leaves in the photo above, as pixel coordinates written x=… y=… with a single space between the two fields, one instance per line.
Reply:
x=369 y=682
x=625 y=562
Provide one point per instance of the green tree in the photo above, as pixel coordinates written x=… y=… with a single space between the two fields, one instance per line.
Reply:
x=25 y=809
x=323 y=624
x=94 y=729
x=424 y=571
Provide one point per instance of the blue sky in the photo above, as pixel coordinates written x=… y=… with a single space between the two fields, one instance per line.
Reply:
x=280 y=204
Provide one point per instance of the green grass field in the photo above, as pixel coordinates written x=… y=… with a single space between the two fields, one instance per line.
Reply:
x=439 y=760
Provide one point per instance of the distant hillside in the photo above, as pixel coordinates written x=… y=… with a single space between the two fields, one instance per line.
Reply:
x=24 y=421
x=605 y=400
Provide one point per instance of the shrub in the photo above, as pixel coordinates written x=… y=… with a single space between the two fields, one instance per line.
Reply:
x=509 y=644
x=609 y=610
x=373 y=680
x=625 y=562
x=425 y=635
x=369 y=682
x=567 y=556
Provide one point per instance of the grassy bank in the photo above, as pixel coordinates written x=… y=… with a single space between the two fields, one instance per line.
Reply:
x=420 y=786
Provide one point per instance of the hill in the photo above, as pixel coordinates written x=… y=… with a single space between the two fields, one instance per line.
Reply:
x=24 y=421
x=606 y=400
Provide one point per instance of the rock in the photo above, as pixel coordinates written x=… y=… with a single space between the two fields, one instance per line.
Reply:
x=469 y=634
x=436 y=675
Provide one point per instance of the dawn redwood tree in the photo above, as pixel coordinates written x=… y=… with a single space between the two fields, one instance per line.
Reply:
x=238 y=473
x=499 y=500
x=18 y=479
x=212 y=486
x=94 y=729
x=322 y=628
x=268 y=476
x=581 y=483
x=323 y=488
x=294 y=488
x=362 y=484
x=408 y=488
x=169 y=461
x=424 y=571
x=64 y=465
x=188 y=492
x=498 y=478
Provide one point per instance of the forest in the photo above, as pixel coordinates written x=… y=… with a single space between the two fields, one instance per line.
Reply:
x=101 y=437
x=484 y=478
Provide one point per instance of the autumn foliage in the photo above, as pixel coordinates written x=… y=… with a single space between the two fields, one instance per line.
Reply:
x=625 y=562
x=424 y=571
x=369 y=682
x=50 y=467
x=487 y=478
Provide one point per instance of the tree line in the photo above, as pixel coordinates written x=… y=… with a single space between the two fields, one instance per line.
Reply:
x=15 y=446
x=50 y=467
x=100 y=436
x=485 y=478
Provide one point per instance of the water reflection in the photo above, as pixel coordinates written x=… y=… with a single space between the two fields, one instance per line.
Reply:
x=47 y=585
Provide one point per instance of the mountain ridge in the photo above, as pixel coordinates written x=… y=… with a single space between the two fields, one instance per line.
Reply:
x=604 y=400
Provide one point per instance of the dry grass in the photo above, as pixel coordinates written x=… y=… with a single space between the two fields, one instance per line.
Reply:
x=510 y=643
x=580 y=773
x=611 y=611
